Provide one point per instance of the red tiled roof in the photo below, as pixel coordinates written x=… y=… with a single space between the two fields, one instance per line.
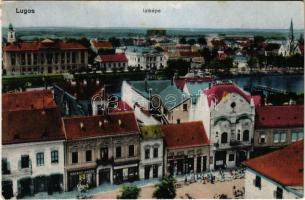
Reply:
x=35 y=46
x=31 y=126
x=71 y=45
x=284 y=166
x=122 y=106
x=118 y=57
x=191 y=54
x=27 y=100
x=180 y=83
x=184 y=135
x=94 y=126
x=257 y=100
x=81 y=90
x=101 y=44
x=183 y=46
x=219 y=90
x=280 y=116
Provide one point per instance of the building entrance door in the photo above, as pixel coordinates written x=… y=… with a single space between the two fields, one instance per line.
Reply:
x=7 y=189
x=104 y=176
x=146 y=172
x=220 y=159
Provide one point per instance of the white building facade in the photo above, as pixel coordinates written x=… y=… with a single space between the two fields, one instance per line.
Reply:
x=31 y=167
x=145 y=58
x=151 y=162
x=228 y=114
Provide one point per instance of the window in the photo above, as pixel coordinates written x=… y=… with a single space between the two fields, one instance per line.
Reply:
x=131 y=150
x=40 y=159
x=276 y=137
x=246 y=135
x=231 y=157
x=88 y=155
x=54 y=156
x=104 y=153
x=155 y=152
x=283 y=137
x=185 y=107
x=279 y=193
x=262 y=138
x=224 y=137
x=118 y=152
x=294 y=136
x=257 y=182
x=147 y=152
x=5 y=166
x=25 y=161
x=75 y=157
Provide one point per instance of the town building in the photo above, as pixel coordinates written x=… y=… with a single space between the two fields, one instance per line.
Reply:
x=32 y=145
x=43 y=57
x=240 y=61
x=193 y=57
x=276 y=175
x=228 y=115
x=80 y=98
x=11 y=35
x=151 y=162
x=112 y=62
x=186 y=148
x=290 y=47
x=145 y=58
x=160 y=97
x=100 y=45
x=101 y=149
x=277 y=126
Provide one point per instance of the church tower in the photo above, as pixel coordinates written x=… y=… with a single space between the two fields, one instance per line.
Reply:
x=11 y=35
x=291 y=36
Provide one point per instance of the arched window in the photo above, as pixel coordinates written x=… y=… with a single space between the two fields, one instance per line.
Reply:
x=224 y=137
x=246 y=135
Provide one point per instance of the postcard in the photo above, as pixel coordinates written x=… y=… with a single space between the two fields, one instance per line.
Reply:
x=152 y=100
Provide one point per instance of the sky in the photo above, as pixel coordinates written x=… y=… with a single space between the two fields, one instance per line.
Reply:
x=189 y=14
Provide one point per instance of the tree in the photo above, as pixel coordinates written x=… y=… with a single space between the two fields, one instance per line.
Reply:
x=252 y=62
x=201 y=40
x=166 y=188
x=182 y=40
x=191 y=41
x=129 y=192
x=176 y=66
x=115 y=41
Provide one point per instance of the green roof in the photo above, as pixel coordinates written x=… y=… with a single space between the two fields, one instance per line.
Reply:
x=141 y=49
x=195 y=89
x=151 y=132
x=170 y=95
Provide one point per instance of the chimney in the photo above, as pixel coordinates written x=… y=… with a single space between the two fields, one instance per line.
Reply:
x=100 y=124
x=145 y=84
x=82 y=126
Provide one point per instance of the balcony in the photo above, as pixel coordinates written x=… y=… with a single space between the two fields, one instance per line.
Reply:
x=235 y=142
x=108 y=161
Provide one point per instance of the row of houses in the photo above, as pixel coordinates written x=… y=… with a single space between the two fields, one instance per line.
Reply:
x=43 y=152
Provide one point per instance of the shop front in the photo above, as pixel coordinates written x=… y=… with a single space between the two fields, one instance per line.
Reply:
x=86 y=176
x=125 y=173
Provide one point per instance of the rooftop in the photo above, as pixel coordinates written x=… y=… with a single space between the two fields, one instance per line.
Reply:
x=101 y=44
x=284 y=166
x=47 y=43
x=82 y=90
x=219 y=90
x=184 y=135
x=279 y=116
x=31 y=126
x=151 y=132
x=118 y=57
x=141 y=49
x=29 y=100
x=97 y=126
x=161 y=88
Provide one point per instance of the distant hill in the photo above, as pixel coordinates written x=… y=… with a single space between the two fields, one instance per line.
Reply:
x=77 y=32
